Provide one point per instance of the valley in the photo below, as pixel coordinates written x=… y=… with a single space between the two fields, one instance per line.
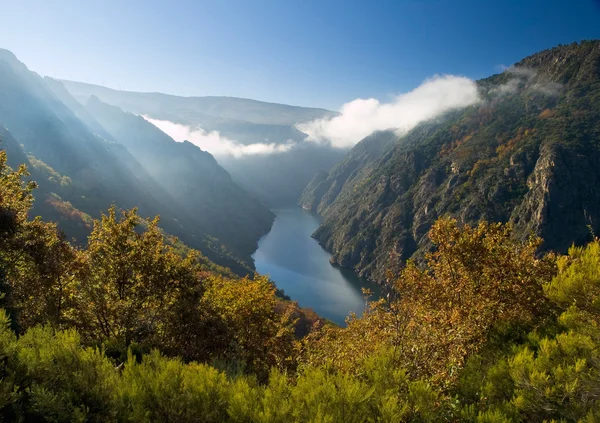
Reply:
x=428 y=252
x=300 y=267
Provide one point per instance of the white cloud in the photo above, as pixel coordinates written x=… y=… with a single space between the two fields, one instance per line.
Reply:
x=361 y=117
x=521 y=77
x=510 y=87
x=213 y=142
x=549 y=88
x=521 y=71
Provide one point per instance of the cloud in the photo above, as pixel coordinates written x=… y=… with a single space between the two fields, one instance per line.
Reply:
x=213 y=142
x=361 y=117
x=520 y=75
x=550 y=88
x=521 y=72
x=523 y=75
x=510 y=87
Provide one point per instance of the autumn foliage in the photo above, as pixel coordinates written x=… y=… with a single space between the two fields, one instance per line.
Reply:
x=136 y=327
x=478 y=281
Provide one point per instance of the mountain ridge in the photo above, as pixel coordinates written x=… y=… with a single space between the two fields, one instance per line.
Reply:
x=80 y=89
x=63 y=139
x=237 y=123
x=523 y=155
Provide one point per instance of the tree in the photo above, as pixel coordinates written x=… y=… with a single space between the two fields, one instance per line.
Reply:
x=130 y=280
x=259 y=335
x=555 y=377
x=38 y=264
x=576 y=289
x=478 y=282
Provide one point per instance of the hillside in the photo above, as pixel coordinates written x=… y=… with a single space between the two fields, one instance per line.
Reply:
x=527 y=154
x=83 y=169
x=200 y=189
x=277 y=179
x=137 y=327
x=48 y=129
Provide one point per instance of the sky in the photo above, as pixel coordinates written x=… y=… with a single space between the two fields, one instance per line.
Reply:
x=320 y=53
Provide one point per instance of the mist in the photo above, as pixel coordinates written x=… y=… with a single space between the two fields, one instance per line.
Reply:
x=359 y=118
x=522 y=76
x=213 y=142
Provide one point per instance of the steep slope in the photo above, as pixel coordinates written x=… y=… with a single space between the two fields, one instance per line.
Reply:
x=78 y=109
x=324 y=188
x=276 y=178
x=50 y=131
x=51 y=185
x=16 y=155
x=199 y=187
x=95 y=172
x=527 y=154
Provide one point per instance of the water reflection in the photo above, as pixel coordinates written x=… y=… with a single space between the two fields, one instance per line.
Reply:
x=300 y=267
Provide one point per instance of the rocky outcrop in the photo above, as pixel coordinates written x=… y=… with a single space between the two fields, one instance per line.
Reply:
x=563 y=200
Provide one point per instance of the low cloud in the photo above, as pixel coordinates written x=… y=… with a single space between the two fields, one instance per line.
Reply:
x=520 y=76
x=523 y=75
x=213 y=141
x=522 y=72
x=550 y=88
x=361 y=117
x=510 y=87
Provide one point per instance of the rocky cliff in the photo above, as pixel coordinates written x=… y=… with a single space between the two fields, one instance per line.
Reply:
x=528 y=153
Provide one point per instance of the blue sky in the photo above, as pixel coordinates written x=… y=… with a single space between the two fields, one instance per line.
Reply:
x=306 y=52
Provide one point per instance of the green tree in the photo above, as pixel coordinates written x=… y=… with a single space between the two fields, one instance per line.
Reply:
x=260 y=331
x=130 y=280
x=37 y=263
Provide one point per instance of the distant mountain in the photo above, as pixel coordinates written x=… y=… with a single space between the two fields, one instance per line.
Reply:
x=83 y=169
x=214 y=109
x=277 y=179
x=527 y=154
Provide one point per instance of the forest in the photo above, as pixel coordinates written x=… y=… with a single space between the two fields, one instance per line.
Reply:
x=137 y=327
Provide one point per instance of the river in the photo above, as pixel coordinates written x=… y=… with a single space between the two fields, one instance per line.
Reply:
x=300 y=266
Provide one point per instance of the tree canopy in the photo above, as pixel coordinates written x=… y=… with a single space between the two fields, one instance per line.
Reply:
x=136 y=327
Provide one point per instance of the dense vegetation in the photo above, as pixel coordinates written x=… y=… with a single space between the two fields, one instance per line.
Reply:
x=526 y=154
x=133 y=328
x=131 y=286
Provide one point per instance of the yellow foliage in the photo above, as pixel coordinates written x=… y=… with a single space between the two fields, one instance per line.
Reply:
x=435 y=317
x=261 y=336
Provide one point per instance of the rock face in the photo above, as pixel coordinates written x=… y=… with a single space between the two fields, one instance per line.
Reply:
x=529 y=154
x=324 y=188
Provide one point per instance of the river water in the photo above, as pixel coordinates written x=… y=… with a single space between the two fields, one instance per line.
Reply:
x=300 y=266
